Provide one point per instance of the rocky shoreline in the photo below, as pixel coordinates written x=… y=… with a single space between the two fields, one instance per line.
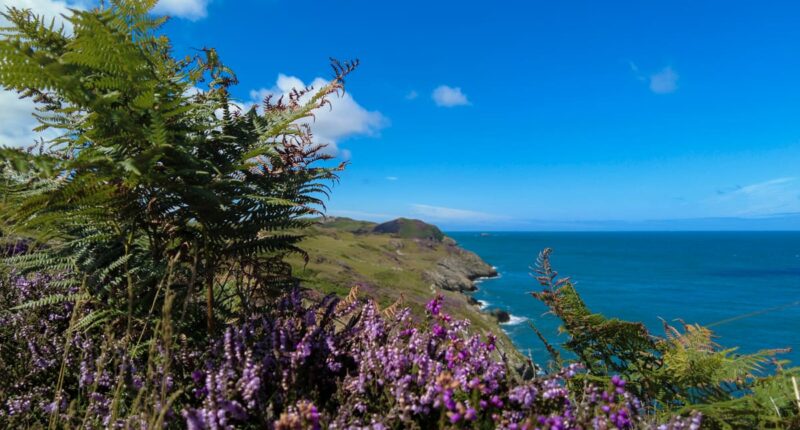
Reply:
x=461 y=271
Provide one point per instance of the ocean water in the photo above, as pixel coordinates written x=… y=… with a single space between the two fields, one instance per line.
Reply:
x=746 y=284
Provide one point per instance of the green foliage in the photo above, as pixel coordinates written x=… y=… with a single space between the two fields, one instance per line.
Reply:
x=683 y=371
x=153 y=184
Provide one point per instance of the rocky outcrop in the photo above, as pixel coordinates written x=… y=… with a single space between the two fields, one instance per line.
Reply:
x=459 y=270
x=500 y=315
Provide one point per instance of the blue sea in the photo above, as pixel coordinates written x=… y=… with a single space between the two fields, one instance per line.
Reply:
x=745 y=284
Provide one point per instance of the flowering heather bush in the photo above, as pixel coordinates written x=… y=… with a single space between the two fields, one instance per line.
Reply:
x=297 y=366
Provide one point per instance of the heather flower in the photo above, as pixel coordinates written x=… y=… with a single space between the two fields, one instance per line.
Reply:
x=311 y=366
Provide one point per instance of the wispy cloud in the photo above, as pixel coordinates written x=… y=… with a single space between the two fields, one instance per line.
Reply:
x=392 y=178
x=412 y=95
x=451 y=214
x=760 y=187
x=447 y=96
x=636 y=72
x=768 y=197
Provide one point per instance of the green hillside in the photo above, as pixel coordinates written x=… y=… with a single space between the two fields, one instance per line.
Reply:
x=346 y=224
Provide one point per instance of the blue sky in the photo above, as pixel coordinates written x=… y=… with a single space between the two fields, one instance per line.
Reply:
x=534 y=115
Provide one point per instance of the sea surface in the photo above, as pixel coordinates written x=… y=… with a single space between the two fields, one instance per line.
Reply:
x=745 y=284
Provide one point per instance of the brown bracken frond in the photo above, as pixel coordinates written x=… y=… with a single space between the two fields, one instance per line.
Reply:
x=351 y=298
x=391 y=311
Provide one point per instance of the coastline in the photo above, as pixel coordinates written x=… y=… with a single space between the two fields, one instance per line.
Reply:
x=476 y=271
x=391 y=269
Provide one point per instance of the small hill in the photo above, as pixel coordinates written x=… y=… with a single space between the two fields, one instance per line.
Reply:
x=410 y=229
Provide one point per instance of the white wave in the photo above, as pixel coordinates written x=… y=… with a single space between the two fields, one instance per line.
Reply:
x=483 y=278
x=515 y=320
x=483 y=304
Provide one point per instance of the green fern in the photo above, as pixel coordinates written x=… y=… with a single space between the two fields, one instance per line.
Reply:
x=144 y=183
x=50 y=300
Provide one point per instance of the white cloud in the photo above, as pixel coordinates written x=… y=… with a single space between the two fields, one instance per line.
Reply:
x=664 y=82
x=762 y=187
x=635 y=70
x=392 y=178
x=189 y=9
x=450 y=214
x=412 y=95
x=16 y=120
x=331 y=124
x=447 y=96
x=50 y=9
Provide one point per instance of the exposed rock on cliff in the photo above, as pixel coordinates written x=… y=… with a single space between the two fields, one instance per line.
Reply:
x=458 y=270
x=500 y=315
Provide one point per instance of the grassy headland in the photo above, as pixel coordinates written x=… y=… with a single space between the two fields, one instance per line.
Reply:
x=400 y=258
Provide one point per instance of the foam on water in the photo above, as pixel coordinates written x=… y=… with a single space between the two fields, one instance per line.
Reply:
x=515 y=320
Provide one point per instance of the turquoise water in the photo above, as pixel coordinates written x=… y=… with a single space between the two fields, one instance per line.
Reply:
x=699 y=277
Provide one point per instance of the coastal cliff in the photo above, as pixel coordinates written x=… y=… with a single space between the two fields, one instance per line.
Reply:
x=456 y=269
x=459 y=270
x=401 y=260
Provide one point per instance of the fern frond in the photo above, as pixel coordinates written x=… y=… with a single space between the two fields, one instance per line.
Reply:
x=51 y=300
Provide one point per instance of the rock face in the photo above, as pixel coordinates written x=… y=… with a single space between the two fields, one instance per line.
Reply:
x=500 y=315
x=458 y=270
